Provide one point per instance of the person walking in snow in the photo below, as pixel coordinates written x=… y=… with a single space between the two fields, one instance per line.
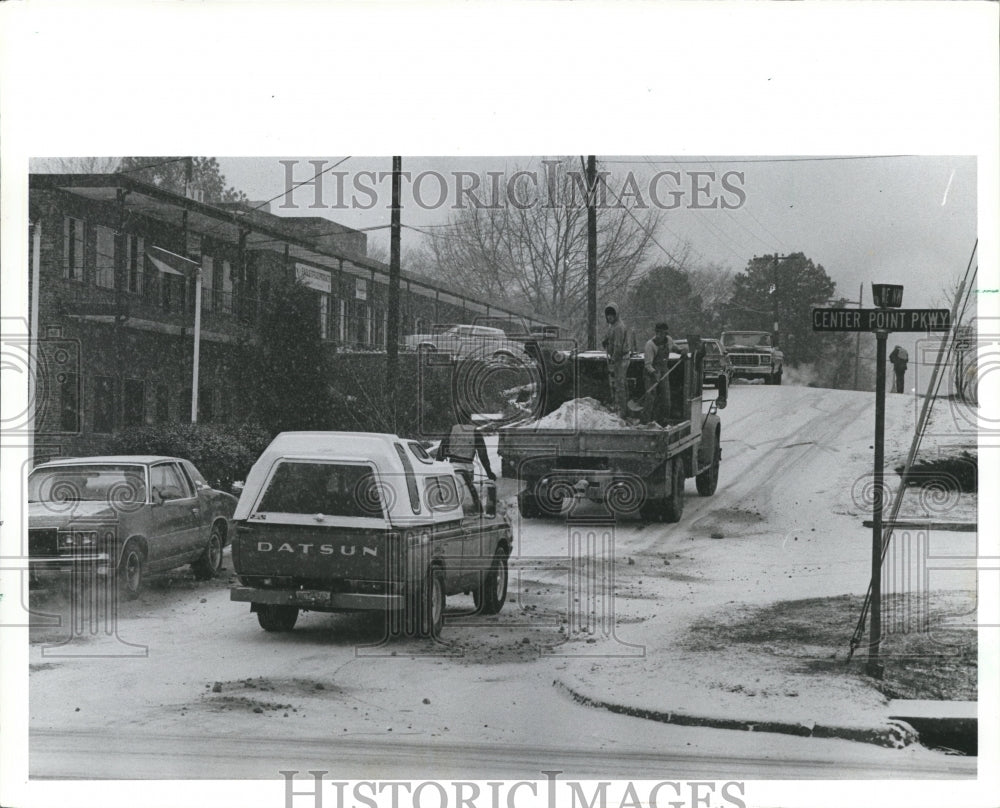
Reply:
x=899 y=358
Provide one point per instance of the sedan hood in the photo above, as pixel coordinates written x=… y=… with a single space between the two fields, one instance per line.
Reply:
x=60 y=514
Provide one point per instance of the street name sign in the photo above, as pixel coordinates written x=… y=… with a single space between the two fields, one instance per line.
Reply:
x=881 y=320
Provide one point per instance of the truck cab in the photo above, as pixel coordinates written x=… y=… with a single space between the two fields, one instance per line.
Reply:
x=347 y=521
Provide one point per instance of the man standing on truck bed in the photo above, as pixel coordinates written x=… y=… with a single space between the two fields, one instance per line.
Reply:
x=657 y=355
x=616 y=343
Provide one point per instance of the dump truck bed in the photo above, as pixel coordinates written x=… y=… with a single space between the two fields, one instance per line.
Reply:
x=530 y=452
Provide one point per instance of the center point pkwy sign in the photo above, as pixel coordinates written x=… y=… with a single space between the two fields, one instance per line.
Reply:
x=881 y=320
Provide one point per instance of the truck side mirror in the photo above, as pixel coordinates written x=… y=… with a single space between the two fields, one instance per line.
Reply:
x=722 y=385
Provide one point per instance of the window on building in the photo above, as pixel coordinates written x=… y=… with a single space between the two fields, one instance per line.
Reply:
x=69 y=402
x=227 y=287
x=166 y=291
x=134 y=402
x=378 y=326
x=135 y=250
x=324 y=316
x=104 y=404
x=207 y=283
x=162 y=403
x=104 y=266
x=206 y=405
x=73 y=248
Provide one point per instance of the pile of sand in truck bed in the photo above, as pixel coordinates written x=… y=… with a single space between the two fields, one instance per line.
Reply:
x=580 y=413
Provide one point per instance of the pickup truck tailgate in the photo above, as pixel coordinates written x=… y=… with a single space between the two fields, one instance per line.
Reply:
x=302 y=551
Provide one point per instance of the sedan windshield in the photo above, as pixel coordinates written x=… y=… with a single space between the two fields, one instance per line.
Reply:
x=88 y=483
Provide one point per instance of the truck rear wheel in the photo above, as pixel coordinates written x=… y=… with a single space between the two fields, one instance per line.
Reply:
x=490 y=597
x=425 y=608
x=673 y=506
x=708 y=480
x=275 y=617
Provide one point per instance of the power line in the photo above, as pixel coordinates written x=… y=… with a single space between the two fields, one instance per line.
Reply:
x=299 y=184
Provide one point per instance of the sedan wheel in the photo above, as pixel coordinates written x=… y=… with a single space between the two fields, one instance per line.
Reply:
x=210 y=562
x=130 y=571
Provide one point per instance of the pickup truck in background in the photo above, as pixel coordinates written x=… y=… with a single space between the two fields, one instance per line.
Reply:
x=346 y=521
x=467 y=342
x=753 y=356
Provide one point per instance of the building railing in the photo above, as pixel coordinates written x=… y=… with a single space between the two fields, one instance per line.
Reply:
x=165 y=293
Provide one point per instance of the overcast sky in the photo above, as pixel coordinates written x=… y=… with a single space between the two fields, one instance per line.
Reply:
x=890 y=219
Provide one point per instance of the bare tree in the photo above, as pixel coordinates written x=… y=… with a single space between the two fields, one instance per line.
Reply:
x=530 y=247
x=74 y=165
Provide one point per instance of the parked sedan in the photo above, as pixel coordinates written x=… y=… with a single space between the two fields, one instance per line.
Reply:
x=126 y=515
x=464 y=341
x=715 y=363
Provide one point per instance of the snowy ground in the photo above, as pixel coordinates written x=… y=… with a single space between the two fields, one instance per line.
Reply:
x=599 y=608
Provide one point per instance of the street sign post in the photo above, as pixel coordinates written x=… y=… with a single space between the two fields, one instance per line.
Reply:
x=881 y=320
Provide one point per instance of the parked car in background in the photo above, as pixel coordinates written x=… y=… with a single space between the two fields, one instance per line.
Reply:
x=715 y=362
x=468 y=341
x=127 y=515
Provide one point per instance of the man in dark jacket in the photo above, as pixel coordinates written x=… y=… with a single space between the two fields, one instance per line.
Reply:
x=616 y=343
x=899 y=358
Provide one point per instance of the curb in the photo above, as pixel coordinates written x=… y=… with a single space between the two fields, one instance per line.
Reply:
x=895 y=734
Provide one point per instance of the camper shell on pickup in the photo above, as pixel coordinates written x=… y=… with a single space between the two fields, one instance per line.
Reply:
x=348 y=521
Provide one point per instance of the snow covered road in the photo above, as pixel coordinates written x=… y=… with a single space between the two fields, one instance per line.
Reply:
x=601 y=607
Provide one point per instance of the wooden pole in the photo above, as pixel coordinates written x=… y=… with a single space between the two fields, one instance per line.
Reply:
x=591 y=252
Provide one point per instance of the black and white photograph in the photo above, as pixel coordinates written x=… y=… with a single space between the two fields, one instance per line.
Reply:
x=463 y=469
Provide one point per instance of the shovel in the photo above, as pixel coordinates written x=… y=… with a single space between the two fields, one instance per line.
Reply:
x=638 y=404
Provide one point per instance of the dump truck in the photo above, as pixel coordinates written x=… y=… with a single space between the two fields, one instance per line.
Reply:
x=632 y=467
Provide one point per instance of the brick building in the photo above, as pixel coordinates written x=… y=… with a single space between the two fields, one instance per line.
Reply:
x=115 y=315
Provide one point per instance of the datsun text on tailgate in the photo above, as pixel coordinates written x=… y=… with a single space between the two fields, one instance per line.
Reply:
x=125 y=515
x=349 y=521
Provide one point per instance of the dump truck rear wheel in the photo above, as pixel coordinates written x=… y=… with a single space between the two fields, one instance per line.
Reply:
x=673 y=506
x=708 y=480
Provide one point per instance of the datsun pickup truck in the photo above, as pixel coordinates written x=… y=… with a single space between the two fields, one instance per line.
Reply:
x=350 y=521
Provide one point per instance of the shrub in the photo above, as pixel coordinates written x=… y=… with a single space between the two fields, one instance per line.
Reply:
x=222 y=453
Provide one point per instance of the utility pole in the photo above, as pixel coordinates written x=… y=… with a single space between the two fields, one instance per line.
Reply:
x=774 y=297
x=591 y=252
x=392 y=314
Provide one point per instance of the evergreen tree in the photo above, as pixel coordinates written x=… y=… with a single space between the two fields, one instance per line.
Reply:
x=290 y=366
